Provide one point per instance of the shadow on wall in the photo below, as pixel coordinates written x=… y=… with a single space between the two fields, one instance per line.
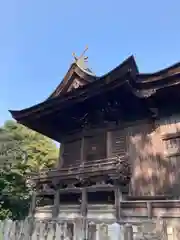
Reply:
x=152 y=172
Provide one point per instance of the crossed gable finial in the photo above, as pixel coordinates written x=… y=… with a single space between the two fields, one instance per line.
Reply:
x=81 y=56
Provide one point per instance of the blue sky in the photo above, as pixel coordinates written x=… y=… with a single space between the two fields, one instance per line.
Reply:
x=37 y=38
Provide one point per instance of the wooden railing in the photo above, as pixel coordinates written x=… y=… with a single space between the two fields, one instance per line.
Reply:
x=91 y=167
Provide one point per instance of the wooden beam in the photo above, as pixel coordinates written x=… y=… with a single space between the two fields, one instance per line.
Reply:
x=93 y=188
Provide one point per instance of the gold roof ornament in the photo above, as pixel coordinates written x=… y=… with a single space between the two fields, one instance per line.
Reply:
x=81 y=56
x=82 y=61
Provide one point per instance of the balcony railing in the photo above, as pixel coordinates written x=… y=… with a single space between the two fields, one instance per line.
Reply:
x=96 y=167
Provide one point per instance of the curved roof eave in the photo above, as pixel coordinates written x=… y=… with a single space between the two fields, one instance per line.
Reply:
x=160 y=82
x=70 y=97
x=128 y=64
x=162 y=74
x=88 y=72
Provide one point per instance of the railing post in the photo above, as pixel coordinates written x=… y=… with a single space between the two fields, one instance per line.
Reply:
x=128 y=232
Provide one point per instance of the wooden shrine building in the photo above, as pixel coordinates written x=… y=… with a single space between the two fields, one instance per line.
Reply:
x=120 y=144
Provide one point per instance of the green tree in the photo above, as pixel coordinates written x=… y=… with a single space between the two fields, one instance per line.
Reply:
x=41 y=152
x=6 y=147
x=14 y=194
x=21 y=151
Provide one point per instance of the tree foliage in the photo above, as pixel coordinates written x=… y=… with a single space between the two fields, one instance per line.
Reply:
x=21 y=151
x=40 y=151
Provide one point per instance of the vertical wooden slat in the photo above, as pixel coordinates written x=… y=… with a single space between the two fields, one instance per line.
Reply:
x=31 y=215
x=128 y=232
x=26 y=230
x=72 y=152
x=70 y=231
x=38 y=230
x=56 y=204
x=82 y=150
x=118 y=143
x=118 y=199
x=93 y=232
x=164 y=230
x=108 y=144
x=176 y=233
x=33 y=204
x=149 y=209
x=95 y=147
x=84 y=213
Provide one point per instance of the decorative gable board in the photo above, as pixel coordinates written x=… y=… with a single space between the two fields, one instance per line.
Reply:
x=74 y=78
x=76 y=83
x=73 y=82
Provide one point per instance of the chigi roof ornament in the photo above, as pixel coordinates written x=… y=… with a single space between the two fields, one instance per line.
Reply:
x=82 y=62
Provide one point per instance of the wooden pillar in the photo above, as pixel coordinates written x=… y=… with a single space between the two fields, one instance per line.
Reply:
x=84 y=213
x=128 y=232
x=118 y=199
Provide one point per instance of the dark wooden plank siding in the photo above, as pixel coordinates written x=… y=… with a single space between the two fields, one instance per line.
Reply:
x=72 y=152
x=118 y=143
x=95 y=147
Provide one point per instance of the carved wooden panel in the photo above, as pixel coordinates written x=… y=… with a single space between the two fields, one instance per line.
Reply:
x=76 y=83
x=71 y=152
x=118 y=143
x=95 y=147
